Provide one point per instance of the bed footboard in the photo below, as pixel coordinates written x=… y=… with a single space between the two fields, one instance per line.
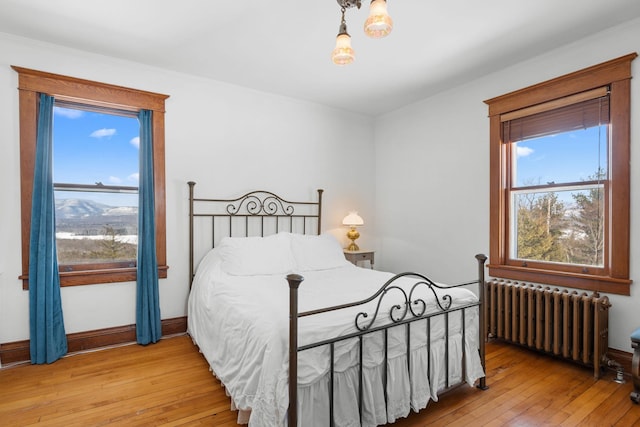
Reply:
x=414 y=309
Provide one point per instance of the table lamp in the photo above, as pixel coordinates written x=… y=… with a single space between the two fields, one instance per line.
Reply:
x=353 y=220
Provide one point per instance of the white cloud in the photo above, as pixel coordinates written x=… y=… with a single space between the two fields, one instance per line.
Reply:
x=101 y=133
x=134 y=177
x=115 y=180
x=135 y=142
x=524 y=151
x=69 y=113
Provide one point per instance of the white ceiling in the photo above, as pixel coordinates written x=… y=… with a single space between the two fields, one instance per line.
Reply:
x=284 y=46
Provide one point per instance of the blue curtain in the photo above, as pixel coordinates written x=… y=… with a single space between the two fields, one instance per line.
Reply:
x=148 y=326
x=48 y=341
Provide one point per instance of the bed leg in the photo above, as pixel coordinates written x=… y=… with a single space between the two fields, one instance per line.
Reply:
x=482 y=314
x=482 y=384
x=294 y=283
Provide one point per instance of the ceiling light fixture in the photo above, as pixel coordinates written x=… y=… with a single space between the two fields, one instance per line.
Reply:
x=343 y=54
x=377 y=25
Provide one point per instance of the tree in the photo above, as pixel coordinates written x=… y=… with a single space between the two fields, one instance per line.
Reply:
x=588 y=221
x=540 y=223
x=112 y=248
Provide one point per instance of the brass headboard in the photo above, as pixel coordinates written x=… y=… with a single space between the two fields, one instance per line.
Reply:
x=258 y=213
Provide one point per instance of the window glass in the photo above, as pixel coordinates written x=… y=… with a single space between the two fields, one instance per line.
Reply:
x=559 y=226
x=95 y=173
x=561 y=158
x=557 y=197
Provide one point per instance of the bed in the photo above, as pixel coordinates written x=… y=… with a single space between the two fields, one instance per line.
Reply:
x=299 y=336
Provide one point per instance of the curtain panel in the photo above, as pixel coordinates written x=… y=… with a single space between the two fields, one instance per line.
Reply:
x=148 y=325
x=48 y=341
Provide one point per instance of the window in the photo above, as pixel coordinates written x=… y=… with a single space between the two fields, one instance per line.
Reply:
x=107 y=104
x=559 y=161
x=95 y=175
x=557 y=183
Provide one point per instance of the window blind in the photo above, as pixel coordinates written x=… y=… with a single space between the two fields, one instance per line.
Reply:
x=518 y=126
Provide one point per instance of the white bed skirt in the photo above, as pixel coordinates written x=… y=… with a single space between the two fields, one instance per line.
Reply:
x=405 y=392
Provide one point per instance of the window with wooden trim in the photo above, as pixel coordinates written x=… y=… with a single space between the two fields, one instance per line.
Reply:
x=114 y=260
x=560 y=178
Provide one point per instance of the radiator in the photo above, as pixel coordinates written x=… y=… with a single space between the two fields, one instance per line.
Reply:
x=572 y=325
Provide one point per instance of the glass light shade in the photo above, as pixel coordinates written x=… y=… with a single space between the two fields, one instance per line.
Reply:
x=353 y=219
x=379 y=23
x=343 y=54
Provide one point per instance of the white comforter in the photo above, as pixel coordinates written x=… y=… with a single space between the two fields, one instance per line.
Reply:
x=240 y=324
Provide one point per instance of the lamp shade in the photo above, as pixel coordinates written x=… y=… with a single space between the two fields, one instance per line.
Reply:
x=343 y=54
x=379 y=23
x=353 y=219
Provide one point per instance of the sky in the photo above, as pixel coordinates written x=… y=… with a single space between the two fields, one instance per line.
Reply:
x=93 y=147
x=568 y=157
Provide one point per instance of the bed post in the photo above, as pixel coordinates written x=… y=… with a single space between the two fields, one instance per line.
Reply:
x=320 y=191
x=294 y=283
x=482 y=333
x=191 y=184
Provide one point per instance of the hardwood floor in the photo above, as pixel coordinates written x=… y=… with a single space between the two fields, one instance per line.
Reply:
x=168 y=384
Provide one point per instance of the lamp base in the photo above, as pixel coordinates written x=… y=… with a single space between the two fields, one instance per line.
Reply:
x=353 y=235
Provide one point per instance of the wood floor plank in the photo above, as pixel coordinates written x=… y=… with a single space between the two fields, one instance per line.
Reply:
x=169 y=384
x=609 y=409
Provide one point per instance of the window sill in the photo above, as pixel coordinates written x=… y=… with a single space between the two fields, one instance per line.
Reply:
x=93 y=277
x=604 y=284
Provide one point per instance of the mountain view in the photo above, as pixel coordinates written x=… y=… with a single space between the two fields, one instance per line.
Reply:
x=87 y=217
x=92 y=232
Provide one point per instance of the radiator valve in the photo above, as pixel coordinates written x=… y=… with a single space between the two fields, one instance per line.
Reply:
x=619 y=378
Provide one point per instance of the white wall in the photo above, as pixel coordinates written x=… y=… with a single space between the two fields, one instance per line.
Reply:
x=432 y=164
x=228 y=139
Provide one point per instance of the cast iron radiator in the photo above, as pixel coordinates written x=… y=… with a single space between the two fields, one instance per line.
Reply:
x=572 y=325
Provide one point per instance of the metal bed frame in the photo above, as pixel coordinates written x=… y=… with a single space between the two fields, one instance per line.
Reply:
x=259 y=213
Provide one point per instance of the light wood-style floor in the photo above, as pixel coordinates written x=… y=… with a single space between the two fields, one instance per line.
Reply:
x=168 y=384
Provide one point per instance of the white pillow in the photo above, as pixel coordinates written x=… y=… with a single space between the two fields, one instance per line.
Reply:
x=251 y=256
x=317 y=252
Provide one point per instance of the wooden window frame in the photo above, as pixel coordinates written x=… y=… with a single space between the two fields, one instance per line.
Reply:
x=100 y=95
x=614 y=277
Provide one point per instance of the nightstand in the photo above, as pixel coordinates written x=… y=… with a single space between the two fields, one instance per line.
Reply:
x=355 y=256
